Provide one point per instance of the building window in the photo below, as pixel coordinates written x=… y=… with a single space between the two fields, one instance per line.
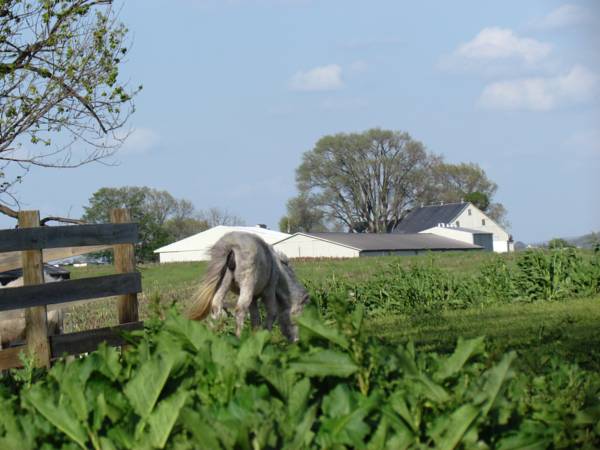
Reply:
x=483 y=222
x=469 y=212
x=457 y=223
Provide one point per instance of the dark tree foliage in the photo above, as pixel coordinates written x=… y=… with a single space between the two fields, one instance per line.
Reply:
x=158 y=214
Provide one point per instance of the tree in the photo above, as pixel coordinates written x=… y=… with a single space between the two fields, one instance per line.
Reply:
x=557 y=243
x=302 y=215
x=180 y=228
x=150 y=208
x=59 y=86
x=468 y=182
x=367 y=181
x=215 y=216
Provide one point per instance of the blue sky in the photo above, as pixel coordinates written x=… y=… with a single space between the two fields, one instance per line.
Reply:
x=235 y=91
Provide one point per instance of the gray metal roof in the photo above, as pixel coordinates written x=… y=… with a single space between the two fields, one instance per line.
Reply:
x=429 y=216
x=393 y=241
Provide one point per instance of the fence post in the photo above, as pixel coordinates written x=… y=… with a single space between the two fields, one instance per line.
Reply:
x=124 y=257
x=36 y=326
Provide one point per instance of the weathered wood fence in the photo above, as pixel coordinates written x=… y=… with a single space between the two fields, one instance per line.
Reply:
x=33 y=241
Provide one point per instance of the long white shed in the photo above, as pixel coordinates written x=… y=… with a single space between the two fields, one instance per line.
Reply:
x=197 y=247
x=354 y=245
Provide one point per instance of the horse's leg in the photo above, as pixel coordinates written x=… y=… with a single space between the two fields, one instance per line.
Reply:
x=244 y=302
x=284 y=309
x=254 y=314
x=271 y=306
x=217 y=302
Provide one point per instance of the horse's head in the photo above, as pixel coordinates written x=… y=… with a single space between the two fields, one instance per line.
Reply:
x=298 y=295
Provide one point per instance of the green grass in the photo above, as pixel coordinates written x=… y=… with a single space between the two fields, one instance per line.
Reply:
x=570 y=328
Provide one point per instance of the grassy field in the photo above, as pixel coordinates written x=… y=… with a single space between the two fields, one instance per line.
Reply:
x=390 y=356
x=570 y=328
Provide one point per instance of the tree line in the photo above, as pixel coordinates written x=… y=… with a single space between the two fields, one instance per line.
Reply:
x=162 y=218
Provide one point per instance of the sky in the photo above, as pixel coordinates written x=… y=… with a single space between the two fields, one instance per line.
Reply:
x=234 y=91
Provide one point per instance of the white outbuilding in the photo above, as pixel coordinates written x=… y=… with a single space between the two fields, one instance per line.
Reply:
x=354 y=245
x=197 y=247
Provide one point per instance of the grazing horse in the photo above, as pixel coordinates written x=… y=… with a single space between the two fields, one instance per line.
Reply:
x=12 y=323
x=246 y=265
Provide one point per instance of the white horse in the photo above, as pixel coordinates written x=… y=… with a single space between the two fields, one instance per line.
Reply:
x=12 y=323
x=245 y=264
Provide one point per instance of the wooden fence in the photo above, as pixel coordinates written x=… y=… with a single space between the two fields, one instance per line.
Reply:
x=34 y=242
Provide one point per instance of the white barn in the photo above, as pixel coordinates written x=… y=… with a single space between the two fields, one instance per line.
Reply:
x=464 y=215
x=354 y=245
x=197 y=247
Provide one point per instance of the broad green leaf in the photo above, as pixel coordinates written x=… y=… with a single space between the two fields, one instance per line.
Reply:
x=345 y=422
x=13 y=438
x=73 y=389
x=379 y=438
x=298 y=398
x=456 y=426
x=325 y=363
x=146 y=385
x=200 y=428
x=357 y=316
x=338 y=402
x=407 y=363
x=398 y=404
x=464 y=350
x=194 y=332
x=310 y=321
x=403 y=436
x=57 y=416
x=282 y=380
x=161 y=421
x=432 y=390
x=251 y=349
x=303 y=436
x=495 y=378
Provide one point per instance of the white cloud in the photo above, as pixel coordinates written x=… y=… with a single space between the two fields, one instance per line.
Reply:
x=139 y=141
x=501 y=43
x=541 y=94
x=323 y=78
x=564 y=16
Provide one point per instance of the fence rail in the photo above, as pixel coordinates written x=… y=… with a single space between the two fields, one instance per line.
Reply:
x=67 y=236
x=33 y=243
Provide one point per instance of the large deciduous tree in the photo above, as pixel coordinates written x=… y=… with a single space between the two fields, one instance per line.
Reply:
x=367 y=180
x=61 y=101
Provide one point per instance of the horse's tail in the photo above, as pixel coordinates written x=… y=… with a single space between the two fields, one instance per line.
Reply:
x=222 y=259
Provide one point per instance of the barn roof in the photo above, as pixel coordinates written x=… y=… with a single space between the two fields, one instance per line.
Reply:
x=426 y=217
x=205 y=239
x=391 y=241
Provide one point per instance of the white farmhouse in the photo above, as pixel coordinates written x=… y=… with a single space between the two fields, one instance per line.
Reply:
x=197 y=247
x=456 y=220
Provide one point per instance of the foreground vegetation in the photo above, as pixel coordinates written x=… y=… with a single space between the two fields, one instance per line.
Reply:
x=390 y=356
